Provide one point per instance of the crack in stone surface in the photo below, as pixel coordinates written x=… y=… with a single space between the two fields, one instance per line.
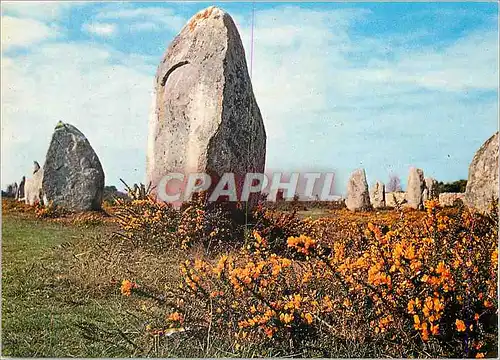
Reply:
x=171 y=70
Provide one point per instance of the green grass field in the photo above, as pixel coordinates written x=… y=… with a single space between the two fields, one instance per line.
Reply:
x=41 y=309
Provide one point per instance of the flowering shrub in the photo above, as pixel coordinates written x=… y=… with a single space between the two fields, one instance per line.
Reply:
x=10 y=205
x=422 y=287
x=210 y=225
x=147 y=222
x=50 y=211
x=153 y=223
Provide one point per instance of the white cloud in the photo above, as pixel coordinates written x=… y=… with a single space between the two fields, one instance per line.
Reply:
x=144 y=19
x=39 y=10
x=100 y=29
x=102 y=92
x=364 y=107
x=18 y=32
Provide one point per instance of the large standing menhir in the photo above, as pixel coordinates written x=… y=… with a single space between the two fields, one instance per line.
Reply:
x=205 y=117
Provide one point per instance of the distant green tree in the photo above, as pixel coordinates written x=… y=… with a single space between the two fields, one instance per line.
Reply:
x=453 y=187
x=111 y=193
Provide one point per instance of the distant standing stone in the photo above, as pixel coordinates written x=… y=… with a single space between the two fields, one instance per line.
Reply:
x=358 y=197
x=377 y=195
x=415 y=188
x=431 y=185
x=482 y=184
x=73 y=176
x=450 y=199
x=20 y=190
x=425 y=195
x=395 y=199
x=36 y=166
x=33 y=187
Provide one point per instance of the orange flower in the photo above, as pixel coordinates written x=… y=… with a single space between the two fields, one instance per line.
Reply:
x=416 y=320
x=476 y=316
x=460 y=325
x=286 y=318
x=479 y=355
x=425 y=332
x=411 y=305
x=175 y=317
x=127 y=286
x=309 y=318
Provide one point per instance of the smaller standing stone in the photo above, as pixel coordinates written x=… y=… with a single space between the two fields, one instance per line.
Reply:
x=15 y=187
x=431 y=185
x=358 y=196
x=20 y=190
x=33 y=187
x=450 y=199
x=73 y=177
x=377 y=195
x=415 y=189
x=395 y=199
x=425 y=195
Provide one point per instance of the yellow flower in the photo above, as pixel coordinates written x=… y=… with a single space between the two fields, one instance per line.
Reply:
x=460 y=325
x=127 y=286
x=175 y=317
x=416 y=320
x=411 y=305
x=435 y=329
x=286 y=318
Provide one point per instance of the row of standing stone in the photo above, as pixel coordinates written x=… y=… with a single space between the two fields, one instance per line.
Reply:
x=480 y=194
x=359 y=197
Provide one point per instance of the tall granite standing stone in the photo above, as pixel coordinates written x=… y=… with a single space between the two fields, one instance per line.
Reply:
x=73 y=177
x=482 y=184
x=415 y=188
x=377 y=195
x=205 y=117
x=358 y=197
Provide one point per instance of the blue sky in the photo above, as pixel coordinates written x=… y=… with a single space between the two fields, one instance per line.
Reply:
x=383 y=86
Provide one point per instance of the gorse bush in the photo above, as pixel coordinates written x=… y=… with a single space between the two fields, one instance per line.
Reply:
x=147 y=223
x=210 y=225
x=49 y=211
x=422 y=287
x=156 y=224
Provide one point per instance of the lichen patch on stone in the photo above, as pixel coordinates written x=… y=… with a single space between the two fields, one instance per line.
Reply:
x=202 y=15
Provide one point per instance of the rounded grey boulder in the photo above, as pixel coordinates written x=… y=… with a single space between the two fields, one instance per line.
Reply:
x=73 y=177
